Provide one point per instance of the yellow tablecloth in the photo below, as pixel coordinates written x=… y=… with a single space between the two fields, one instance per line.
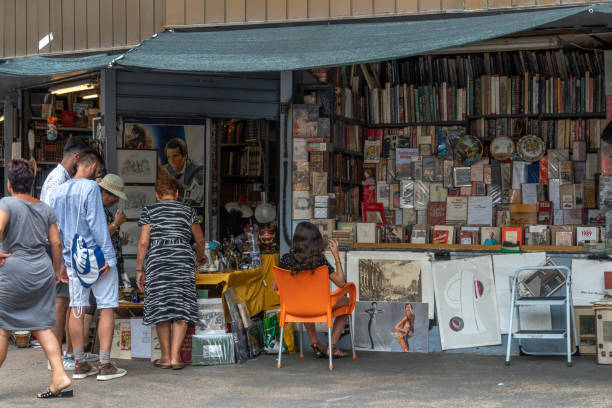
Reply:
x=252 y=286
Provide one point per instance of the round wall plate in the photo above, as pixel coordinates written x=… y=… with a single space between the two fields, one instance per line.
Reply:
x=468 y=150
x=502 y=148
x=531 y=148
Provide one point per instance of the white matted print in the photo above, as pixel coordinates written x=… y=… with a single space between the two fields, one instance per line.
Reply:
x=137 y=166
x=137 y=198
x=391 y=326
x=466 y=302
x=389 y=280
x=426 y=258
x=504 y=267
x=130 y=234
x=588 y=280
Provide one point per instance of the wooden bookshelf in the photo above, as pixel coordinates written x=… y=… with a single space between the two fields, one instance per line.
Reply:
x=477 y=248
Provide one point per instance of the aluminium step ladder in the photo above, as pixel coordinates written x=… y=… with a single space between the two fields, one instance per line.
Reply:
x=565 y=300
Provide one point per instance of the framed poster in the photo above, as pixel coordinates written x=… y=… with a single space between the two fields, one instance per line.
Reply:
x=137 y=198
x=137 y=166
x=585 y=327
x=180 y=144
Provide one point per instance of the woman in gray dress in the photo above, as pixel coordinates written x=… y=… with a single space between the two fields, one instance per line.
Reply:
x=27 y=276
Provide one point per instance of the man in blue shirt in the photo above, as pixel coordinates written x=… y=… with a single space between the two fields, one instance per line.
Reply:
x=78 y=208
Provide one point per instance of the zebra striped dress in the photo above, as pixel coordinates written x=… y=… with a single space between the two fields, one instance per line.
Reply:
x=170 y=293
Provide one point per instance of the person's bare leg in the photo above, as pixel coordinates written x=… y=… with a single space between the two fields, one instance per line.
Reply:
x=337 y=328
x=76 y=332
x=61 y=312
x=69 y=347
x=178 y=334
x=312 y=333
x=163 y=333
x=48 y=341
x=4 y=341
x=86 y=327
x=106 y=326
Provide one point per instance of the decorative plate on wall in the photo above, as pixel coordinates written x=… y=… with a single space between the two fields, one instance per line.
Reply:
x=502 y=148
x=468 y=150
x=531 y=148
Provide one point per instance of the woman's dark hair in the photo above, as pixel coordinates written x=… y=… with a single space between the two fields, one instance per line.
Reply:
x=308 y=248
x=21 y=175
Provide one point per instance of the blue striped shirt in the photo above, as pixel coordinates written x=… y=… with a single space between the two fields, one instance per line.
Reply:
x=65 y=201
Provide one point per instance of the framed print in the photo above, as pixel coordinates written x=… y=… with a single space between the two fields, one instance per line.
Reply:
x=137 y=166
x=502 y=148
x=137 y=198
x=468 y=150
x=531 y=148
x=462 y=176
x=373 y=212
x=130 y=234
x=585 y=328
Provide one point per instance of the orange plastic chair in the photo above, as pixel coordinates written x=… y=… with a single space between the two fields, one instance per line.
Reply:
x=305 y=298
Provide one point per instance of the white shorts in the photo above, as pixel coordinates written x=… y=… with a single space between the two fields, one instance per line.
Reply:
x=105 y=290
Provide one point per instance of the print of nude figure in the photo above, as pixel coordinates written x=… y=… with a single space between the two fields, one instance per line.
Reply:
x=404 y=329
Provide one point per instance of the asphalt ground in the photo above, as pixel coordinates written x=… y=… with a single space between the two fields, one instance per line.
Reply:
x=375 y=379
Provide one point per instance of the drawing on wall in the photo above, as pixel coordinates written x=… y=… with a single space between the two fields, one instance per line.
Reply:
x=180 y=144
x=137 y=198
x=391 y=326
x=405 y=276
x=466 y=303
x=137 y=166
x=130 y=234
x=389 y=280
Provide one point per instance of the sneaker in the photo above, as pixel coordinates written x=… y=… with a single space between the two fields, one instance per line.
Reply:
x=91 y=357
x=68 y=364
x=82 y=369
x=108 y=371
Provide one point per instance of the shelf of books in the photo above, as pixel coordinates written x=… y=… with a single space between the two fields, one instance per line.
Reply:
x=467 y=151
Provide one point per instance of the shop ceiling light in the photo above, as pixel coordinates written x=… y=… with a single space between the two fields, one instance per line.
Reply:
x=1 y=118
x=72 y=87
x=90 y=96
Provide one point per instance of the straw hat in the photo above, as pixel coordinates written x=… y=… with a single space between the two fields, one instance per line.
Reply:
x=113 y=184
x=244 y=210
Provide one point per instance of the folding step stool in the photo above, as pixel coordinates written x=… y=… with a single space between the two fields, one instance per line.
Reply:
x=566 y=300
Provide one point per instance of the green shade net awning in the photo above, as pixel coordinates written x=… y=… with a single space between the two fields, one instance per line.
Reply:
x=45 y=66
x=302 y=47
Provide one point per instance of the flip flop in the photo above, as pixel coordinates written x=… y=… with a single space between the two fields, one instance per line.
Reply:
x=61 y=394
x=178 y=366
x=158 y=364
x=319 y=351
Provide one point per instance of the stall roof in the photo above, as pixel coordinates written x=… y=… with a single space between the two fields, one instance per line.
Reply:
x=46 y=66
x=311 y=46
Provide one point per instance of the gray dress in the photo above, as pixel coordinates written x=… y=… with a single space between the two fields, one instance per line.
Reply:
x=27 y=281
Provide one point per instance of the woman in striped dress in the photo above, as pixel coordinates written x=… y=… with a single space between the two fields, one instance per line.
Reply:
x=166 y=269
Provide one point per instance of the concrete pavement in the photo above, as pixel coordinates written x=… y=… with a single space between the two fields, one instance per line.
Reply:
x=373 y=380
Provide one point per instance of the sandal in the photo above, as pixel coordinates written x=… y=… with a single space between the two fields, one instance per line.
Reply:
x=51 y=394
x=319 y=352
x=337 y=353
x=159 y=364
x=178 y=366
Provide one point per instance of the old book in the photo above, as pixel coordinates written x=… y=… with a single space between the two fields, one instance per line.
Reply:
x=407 y=194
x=300 y=154
x=544 y=212
x=448 y=173
x=369 y=174
x=537 y=235
x=589 y=195
x=597 y=217
x=575 y=216
x=512 y=235
x=326 y=226
x=480 y=210
x=368 y=193
x=605 y=192
x=404 y=158
x=443 y=234
x=305 y=121
x=558 y=217
x=586 y=234
x=456 y=210
x=421 y=195
x=393 y=234
x=566 y=192
x=477 y=172
x=428 y=164
x=465 y=191
x=579 y=171
x=421 y=216
x=419 y=234
x=529 y=193
x=490 y=236
x=523 y=214
x=578 y=196
x=592 y=166
x=409 y=216
x=301 y=176
x=318 y=180
x=382 y=194
x=371 y=151
x=515 y=196
x=394 y=196
x=543 y=169
x=566 y=172
x=391 y=175
x=319 y=161
x=366 y=232
x=578 y=150
x=468 y=236
x=302 y=205
x=437 y=192
x=554 y=193
x=568 y=231
x=564 y=238
x=436 y=213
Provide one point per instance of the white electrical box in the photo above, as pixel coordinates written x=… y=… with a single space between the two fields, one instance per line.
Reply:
x=604 y=335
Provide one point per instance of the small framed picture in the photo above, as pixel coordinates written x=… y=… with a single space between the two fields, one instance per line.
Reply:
x=137 y=166
x=373 y=212
x=138 y=197
x=462 y=176
x=130 y=234
x=502 y=148
x=585 y=327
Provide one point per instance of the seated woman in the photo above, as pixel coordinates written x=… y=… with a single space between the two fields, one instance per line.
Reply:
x=306 y=254
x=166 y=269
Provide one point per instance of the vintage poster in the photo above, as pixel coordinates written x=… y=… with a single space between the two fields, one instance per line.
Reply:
x=391 y=326
x=180 y=145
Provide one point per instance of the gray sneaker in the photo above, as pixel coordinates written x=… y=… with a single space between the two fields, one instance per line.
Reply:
x=82 y=369
x=108 y=371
